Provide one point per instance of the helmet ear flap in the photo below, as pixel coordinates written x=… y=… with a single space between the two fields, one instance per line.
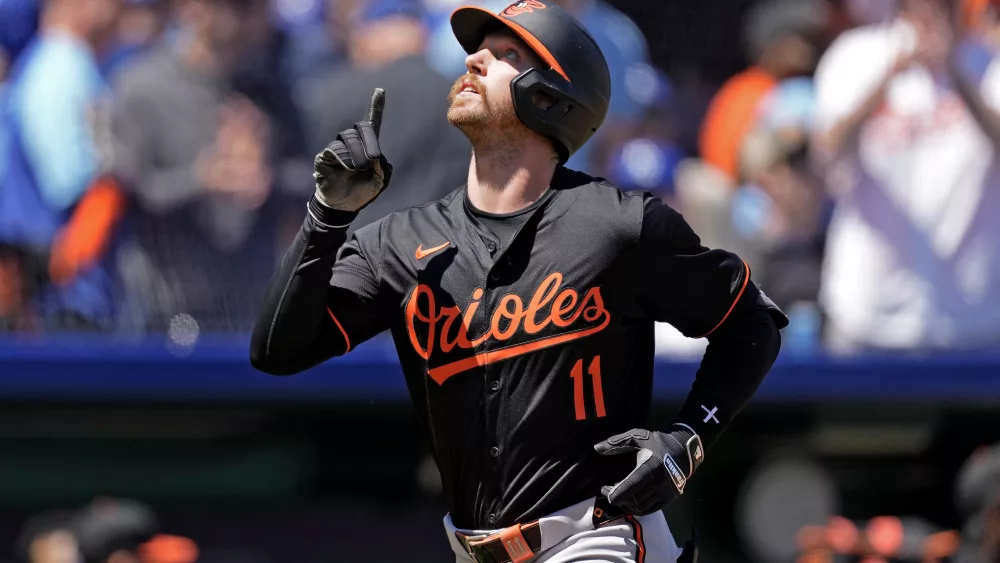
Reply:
x=543 y=103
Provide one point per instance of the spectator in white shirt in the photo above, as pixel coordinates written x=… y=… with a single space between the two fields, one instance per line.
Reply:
x=906 y=124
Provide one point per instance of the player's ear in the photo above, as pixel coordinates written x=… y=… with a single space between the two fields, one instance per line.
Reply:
x=542 y=101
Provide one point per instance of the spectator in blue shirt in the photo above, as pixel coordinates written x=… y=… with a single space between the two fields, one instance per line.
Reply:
x=142 y=24
x=50 y=150
x=20 y=22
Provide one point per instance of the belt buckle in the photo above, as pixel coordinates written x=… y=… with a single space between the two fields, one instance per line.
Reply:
x=470 y=548
x=480 y=554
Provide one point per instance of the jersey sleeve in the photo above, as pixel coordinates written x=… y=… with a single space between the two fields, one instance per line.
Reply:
x=323 y=300
x=682 y=282
x=354 y=304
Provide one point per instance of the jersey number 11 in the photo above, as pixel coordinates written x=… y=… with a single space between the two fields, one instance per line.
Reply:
x=595 y=375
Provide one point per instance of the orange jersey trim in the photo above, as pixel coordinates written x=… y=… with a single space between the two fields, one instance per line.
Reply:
x=746 y=280
x=342 y=331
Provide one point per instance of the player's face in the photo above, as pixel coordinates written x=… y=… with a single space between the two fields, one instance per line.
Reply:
x=482 y=98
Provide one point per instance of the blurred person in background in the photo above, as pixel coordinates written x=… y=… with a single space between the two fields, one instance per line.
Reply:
x=54 y=146
x=779 y=208
x=314 y=41
x=869 y=12
x=197 y=160
x=261 y=77
x=386 y=48
x=106 y=530
x=906 y=123
x=115 y=530
x=19 y=23
x=48 y=538
x=978 y=500
x=140 y=27
x=644 y=155
x=624 y=47
x=781 y=39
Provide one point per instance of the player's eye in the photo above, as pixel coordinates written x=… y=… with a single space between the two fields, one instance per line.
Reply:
x=510 y=54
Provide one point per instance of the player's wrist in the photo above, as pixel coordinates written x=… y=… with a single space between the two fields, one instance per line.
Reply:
x=705 y=415
x=688 y=448
x=328 y=217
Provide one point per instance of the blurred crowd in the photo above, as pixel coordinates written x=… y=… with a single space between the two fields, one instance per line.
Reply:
x=155 y=155
x=121 y=530
x=107 y=530
x=890 y=538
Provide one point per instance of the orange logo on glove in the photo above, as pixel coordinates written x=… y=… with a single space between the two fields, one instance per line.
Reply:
x=523 y=7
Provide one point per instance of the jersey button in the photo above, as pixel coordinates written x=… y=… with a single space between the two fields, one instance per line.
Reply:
x=491 y=247
x=494 y=276
x=494 y=385
x=494 y=452
x=492 y=519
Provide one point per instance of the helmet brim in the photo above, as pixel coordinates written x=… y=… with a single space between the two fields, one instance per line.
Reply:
x=470 y=23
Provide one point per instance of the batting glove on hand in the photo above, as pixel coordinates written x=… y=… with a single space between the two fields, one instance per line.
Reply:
x=352 y=171
x=664 y=463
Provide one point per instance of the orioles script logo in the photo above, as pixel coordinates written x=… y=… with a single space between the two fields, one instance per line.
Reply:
x=547 y=306
x=524 y=7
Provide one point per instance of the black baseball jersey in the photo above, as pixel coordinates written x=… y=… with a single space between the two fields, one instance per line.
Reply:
x=518 y=357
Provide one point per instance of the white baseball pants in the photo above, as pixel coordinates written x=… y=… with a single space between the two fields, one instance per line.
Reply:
x=568 y=535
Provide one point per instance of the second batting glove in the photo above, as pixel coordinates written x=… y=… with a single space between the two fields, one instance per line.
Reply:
x=664 y=463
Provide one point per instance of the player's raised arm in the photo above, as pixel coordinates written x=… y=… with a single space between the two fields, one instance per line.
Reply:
x=703 y=293
x=323 y=299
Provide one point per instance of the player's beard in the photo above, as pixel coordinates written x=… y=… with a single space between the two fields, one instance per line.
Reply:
x=485 y=124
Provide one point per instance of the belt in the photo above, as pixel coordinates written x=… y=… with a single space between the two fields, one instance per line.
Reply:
x=515 y=544
x=522 y=542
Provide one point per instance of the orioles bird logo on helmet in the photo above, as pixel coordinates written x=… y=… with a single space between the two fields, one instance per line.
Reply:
x=522 y=7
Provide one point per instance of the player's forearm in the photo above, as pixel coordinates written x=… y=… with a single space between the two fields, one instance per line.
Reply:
x=739 y=355
x=967 y=66
x=846 y=131
x=291 y=331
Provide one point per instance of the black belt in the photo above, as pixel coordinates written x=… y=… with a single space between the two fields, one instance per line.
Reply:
x=522 y=542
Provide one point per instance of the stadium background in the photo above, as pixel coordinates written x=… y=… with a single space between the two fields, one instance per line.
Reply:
x=159 y=404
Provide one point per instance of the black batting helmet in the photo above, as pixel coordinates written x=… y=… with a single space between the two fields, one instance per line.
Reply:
x=577 y=77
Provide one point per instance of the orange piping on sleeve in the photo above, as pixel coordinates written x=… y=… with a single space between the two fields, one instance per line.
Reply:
x=342 y=331
x=746 y=279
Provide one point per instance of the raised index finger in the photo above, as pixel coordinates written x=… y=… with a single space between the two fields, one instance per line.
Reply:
x=375 y=109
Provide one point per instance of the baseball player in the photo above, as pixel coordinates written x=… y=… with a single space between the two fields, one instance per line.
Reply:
x=523 y=305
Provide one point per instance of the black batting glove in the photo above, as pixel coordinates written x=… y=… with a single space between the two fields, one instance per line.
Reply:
x=664 y=463
x=352 y=171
